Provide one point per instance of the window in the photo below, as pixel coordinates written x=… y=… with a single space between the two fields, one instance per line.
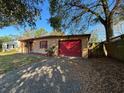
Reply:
x=13 y=46
x=7 y=46
x=43 y=44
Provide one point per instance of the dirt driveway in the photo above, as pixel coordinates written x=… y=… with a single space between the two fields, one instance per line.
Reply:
x=64 y=75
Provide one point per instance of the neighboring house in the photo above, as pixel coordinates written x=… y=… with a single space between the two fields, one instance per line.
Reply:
x=10 y=45
x=68 y=45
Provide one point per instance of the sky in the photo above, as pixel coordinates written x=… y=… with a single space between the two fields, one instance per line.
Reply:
x=43 y=23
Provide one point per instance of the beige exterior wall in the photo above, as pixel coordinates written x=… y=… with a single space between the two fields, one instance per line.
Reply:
x=50 y=42
x=85 y=48
x=54 y=42
x=22 y=48
x=36 y=47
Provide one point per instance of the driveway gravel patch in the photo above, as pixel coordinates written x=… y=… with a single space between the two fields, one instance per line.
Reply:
x=66 y=75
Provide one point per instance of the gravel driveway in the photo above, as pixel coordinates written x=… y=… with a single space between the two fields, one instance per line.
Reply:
x=64 y=75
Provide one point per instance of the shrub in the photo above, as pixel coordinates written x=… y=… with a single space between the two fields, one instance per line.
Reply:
x=50 y=51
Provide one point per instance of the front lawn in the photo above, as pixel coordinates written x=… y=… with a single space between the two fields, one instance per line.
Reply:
x=13 y=51
x=11 y=61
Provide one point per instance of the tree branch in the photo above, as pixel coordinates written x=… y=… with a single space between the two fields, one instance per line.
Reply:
x=118 y=2
x=105 y=7
x=86 y=9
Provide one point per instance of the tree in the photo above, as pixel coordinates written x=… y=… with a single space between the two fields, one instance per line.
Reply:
x=28 y=34
x=55 y=20
x=20 y=12
x=94 y=37
x=33 y=33
x=4 y=39
x=40 y=32
x=83 y=13
x=56 y=33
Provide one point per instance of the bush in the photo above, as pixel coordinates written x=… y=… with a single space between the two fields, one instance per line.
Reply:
x=50 y=51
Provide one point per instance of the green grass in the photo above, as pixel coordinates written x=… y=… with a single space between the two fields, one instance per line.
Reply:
x=10 y=61
x=13 y=51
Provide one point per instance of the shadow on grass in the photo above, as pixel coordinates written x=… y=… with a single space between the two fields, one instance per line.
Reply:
x=48 y=76
x=14 y=61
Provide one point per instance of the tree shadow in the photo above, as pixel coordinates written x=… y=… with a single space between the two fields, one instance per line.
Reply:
x=48 y=76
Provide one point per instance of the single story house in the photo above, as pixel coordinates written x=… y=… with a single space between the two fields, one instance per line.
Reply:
x=66 y=45
x=7 y=46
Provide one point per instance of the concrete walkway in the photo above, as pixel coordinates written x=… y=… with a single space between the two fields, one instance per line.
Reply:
x=64 y=75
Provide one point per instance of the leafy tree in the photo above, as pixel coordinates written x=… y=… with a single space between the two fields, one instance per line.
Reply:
x=94 y=37
x=20 y=12
x=34 y=33
x=55 y=20
x=40 y=32
x=28 y=34
x=56 y=33
x=4 y=39
x=83 y=13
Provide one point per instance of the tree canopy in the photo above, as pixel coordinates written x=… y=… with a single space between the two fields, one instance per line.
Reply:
x=5 y=39
x=56 y=33
x=40 y=32
x=80 y=14
x=55 y=20
x=34 y=33
x=20 y=12
x=94 y=37
x=28 y=34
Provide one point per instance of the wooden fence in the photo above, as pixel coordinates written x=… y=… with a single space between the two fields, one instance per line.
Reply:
x=114 y=49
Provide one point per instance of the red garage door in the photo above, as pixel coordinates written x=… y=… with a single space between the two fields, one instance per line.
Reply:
x=70 y=48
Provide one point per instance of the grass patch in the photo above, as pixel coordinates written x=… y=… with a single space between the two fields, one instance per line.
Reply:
x=13 y=51
x=10 y=61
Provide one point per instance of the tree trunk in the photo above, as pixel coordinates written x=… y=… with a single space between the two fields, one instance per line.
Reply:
x=109 y=33
x=109 y=30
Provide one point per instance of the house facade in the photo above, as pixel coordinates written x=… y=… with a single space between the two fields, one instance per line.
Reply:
x=68 y=45
x=7 y=46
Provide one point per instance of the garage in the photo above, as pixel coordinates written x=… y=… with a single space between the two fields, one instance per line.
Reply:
x=65 y=45
x=70 y=48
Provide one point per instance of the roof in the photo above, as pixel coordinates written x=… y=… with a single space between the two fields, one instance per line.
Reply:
x=56 y=36
x=10 y=42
